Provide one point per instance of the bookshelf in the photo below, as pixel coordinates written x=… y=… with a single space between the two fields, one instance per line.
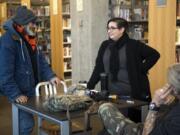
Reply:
x=42 y=11
x=67 y=52
x=7 y=10
x=136 y=13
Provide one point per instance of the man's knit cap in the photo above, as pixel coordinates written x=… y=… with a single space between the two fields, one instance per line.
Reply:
x=24 y=16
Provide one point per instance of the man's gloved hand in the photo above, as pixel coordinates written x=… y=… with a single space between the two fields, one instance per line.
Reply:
x=22 y=99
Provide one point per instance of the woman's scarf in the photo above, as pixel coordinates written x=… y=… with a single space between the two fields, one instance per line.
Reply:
x=114 y=55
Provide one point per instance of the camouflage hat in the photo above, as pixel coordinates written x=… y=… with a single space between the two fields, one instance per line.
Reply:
x=65 y=102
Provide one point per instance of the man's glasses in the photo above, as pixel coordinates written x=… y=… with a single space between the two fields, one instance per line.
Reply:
x=112 y=28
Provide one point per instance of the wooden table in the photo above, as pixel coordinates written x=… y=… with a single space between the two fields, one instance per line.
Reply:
x=63 y=119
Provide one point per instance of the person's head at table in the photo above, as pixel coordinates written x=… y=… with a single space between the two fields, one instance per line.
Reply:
x=166 y=94
x=116 y=28
x=165 y=117
x=25 y=21
x=174 y=78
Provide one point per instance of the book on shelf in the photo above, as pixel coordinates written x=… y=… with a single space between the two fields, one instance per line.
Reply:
x=139 y=14
x=66 y=36
x=178 y=9
x=66 y=8
x=124 y=13
x=67 y=66
x=124 y=9
x=66 y=22
x=178 y=53
x=67 y=51
x=70 y=51
x=41 y=10
x=177 y=34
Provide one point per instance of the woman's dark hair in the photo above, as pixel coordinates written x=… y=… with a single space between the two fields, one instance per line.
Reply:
x=120 y=22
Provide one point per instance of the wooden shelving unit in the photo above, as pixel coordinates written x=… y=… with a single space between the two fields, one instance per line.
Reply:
x=161 y=36
x=7 y=10
x=66 y=28
x=42 y=11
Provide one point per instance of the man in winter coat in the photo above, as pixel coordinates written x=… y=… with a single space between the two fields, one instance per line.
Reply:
x=22 y=65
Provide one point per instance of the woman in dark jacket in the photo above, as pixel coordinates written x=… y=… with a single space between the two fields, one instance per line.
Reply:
x=125 y=61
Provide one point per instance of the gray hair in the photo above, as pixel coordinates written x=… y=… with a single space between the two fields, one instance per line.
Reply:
x=173 y=77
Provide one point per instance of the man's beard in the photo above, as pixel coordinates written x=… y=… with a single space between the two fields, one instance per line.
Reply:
x=30 y=30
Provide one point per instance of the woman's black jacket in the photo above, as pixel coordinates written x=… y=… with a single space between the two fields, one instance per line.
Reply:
x=140 y=58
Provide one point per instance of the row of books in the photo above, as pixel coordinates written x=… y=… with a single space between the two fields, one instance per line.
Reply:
x=43 y=23
x=178 y=53
x=137 y=14
x=41 y=11
x=141 y=3
x=178 y=35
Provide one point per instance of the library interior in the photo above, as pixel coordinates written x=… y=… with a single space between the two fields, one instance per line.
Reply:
x=69 y=35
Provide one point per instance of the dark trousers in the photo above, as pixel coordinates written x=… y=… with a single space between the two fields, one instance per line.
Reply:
x=134 y=114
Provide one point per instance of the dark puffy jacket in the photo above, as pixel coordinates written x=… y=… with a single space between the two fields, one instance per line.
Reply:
x=170 y=124
x=16 y=72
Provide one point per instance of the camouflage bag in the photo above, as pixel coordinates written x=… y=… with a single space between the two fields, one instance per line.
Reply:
x=66 y=102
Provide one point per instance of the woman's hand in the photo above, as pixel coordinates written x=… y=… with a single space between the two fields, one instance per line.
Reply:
x=163 y=96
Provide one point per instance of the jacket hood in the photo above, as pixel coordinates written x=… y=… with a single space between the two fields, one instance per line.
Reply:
x=8 y=26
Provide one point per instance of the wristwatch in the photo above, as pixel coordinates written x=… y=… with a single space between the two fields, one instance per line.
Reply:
x=153 y=107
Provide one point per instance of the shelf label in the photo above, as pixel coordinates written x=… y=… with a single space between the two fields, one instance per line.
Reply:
x=161 y=3
x=79 y=4
x=55 y=7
